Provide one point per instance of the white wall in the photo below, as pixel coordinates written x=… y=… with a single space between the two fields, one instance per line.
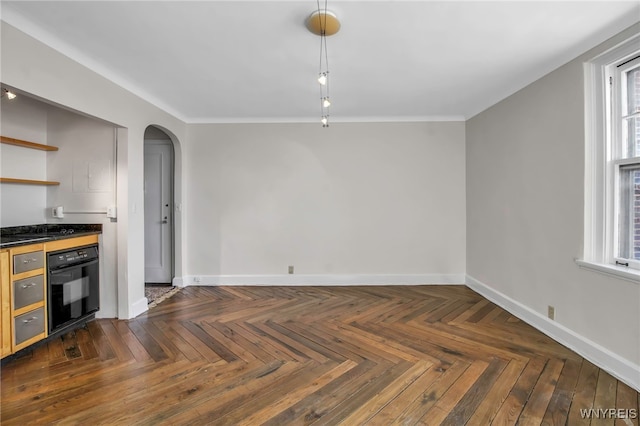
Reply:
x=26 y=119
x=32 y=67
x=374 y=198
x=525 y=210
x=85 y=167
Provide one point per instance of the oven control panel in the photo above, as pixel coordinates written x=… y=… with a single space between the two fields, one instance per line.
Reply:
x=74 y=256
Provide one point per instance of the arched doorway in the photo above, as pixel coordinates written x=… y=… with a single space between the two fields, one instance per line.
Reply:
x=159 y=206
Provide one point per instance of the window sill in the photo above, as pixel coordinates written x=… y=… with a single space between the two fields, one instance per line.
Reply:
x=622 y=272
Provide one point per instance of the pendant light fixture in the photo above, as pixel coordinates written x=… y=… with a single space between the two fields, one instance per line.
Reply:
x=323 y=23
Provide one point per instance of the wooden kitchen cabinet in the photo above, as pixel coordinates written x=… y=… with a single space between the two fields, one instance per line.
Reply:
x=23 y=295
x=28 y=288
x=5 y=305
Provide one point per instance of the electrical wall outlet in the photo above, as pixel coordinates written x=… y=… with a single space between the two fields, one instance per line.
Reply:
x=112 y=212
x=551 y=312
x=57 y=212
x=291 y=269
x=197 y=279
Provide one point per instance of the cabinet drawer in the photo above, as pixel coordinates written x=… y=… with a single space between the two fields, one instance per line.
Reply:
x=28 y=261
x=29 y=325
x=28 y=291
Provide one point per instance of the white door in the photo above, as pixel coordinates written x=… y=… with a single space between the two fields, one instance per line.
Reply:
x=158 y=209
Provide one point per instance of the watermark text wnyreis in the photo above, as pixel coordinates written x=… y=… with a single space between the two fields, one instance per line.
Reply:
x=609 y=413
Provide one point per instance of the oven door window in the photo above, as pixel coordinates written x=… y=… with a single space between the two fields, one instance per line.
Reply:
x=72 y=295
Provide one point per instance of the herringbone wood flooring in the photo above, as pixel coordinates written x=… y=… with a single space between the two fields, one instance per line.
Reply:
x=310 y=355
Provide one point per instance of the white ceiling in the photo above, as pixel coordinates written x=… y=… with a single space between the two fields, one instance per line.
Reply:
x=254 y=61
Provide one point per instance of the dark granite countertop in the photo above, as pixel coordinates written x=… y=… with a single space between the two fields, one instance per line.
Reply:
x=31 y=234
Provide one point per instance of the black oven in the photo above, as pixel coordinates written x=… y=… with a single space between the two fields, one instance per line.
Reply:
x=73 y=286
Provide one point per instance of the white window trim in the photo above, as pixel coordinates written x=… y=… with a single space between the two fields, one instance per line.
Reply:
x=617 y=72
x=598 y=198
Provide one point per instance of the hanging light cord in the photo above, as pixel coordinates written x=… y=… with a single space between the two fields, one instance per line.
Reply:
x=324 y=93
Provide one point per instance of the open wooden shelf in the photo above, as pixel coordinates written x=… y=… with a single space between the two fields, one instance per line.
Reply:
x=27 y=144
x=28 y=181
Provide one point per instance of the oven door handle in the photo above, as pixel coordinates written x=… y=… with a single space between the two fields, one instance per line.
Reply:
x=75 y=265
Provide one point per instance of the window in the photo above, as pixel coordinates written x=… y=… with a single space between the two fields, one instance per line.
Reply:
x=612 y=173
x=624 y=134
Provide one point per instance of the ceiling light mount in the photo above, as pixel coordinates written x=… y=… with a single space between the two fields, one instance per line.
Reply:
x=323 y=22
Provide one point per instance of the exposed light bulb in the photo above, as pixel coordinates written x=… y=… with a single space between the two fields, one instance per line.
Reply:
x=325 y=102
x=10 y=95
x=323 y=78
x=324 y=121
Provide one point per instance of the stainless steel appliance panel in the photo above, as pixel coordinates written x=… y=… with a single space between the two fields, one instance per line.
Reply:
x=29 y=325
x=28 y=261
x=28 y=291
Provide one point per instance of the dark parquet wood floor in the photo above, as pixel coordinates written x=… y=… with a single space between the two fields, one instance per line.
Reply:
x=311 y=355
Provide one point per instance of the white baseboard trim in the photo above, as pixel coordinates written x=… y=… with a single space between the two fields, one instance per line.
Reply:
x=177 y=282
x=139 y=307
x=322 y=279
x=621 y=368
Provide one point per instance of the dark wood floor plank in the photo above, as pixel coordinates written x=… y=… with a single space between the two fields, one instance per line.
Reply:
x=466 y=344
x=468 y=404
x=408 y=396
x=133 y=344
x=214 y=398
x=558 y=409
x=355 y=346
x=356 y=400
x=74 y=398
x=627 y=400
x=380 y=345
x=163 y=384
x=148 y=342
x=536 y=406
x=511 y=408
x=56 y=352
x=101 y=343
x=198 y=330
x=253 y=344
x=117 y=343
x=201 y=347
x=495 y=397
x=432 y=394
x=306 y=346
x=404 y=338
x=584 y=394
x=605 y=399
x=374 y=355
x=440 y=411
x=387 y=396
x=306 y=385
x=181 y=345
x=228 y=338
x=271 y=337
x=314 y=405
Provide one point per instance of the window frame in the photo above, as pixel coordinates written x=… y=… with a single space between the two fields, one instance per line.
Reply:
x=619 y=159
x=601 y=178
